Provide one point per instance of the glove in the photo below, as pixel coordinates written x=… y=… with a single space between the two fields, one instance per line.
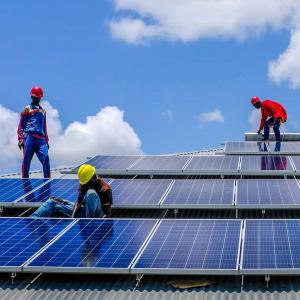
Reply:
x=21 y=144
x=48 y=146
x=259 y=132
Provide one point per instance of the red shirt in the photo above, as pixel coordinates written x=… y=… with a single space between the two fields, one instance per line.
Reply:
x=270 y=108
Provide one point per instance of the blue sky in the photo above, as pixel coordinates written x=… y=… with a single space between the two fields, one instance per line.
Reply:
x=69 y=49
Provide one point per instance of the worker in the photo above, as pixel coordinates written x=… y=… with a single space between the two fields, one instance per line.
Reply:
x=94 y=198
x=32 y=134
x=273 y=114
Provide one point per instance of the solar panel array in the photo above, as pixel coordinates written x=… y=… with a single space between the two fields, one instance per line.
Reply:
x=271 y=247
x=192 y=246
x=197 y=193
x=94 y=245
x=139 y=192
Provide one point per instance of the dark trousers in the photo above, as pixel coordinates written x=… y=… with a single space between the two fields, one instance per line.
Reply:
x=275 y=128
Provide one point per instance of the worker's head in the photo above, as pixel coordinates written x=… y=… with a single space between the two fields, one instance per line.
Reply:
x=36 y=94
x=86 y=173
x=256 y=102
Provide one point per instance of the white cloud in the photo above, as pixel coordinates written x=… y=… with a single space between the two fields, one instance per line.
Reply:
x=168 y=115
x=137 y=21
x=104 y=133
x=212 y=116
x=287 y=66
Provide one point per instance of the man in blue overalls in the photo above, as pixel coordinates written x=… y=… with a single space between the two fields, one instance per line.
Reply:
x=32 y=134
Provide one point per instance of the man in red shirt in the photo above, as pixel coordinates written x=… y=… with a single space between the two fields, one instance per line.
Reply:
x=272 y=114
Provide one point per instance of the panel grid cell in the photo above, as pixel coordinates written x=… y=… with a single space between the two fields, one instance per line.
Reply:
x=102 y=162
x=12 y=189
x=258 y=193
x=215 y=162
x=271 y=246
x=200 y=192
x=20 y=238
x=139 y=192
x=160 y=163
x=266 y=163
x=97 y=245
x=189 y=246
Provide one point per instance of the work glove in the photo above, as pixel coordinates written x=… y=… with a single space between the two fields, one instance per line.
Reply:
x=21 y=144
x=259 y=132
x=48 y=146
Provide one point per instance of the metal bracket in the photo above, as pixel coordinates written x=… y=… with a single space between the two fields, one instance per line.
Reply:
x=138 y=279
x=242 y=282
x=1 y=210
x=263 y=212
x=13 y=276
x=267 y=279
x=175 y=212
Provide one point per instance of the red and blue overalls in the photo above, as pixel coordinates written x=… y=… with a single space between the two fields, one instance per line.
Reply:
x=32 y=133
x=272 y=114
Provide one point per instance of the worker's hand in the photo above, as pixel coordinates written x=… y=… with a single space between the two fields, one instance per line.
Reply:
x=48 y=146
x=21 y=144
x=259 y=132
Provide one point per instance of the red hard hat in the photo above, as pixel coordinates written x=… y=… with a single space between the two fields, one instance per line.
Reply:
x=254 y=100
x=37 y=92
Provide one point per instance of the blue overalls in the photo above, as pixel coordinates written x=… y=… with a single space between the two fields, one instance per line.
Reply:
x=32 y=133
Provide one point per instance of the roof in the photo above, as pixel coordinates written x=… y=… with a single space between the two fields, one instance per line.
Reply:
x=64 y=286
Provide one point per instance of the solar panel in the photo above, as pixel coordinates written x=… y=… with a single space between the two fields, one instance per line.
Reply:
x=266 y=164
x=268 y=193
x=197 y=193
x=160 y=163
x=287 y=148
x=14 y=188
x=245 y=147
x=138 y=193
x=20 y=238
x=96 y=246
x=192 y=247
x=64 y=188
x=104 y=162
x=208 y=164
x=271 y=247
x=296 y=161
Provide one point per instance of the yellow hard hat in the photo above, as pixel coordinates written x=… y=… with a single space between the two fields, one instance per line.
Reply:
x=85 y=173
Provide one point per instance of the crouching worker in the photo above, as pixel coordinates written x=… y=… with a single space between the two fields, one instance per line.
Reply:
x=94 y=198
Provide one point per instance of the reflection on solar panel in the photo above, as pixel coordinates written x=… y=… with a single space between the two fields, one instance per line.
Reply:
x=12 y=189
x=271 y=246
x=112 y=162
x=266 y=163
x=95 y=245
x=285 y=147
x=213 y=163
x=296 y=161
x=200 y=192
x=139 y=192
x=160 y=163
x=245 y=147
x=264 y=193
x=20 y=238
x=190 y=246
x=64 y=188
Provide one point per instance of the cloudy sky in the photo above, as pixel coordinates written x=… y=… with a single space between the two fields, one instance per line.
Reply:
x=145 y=76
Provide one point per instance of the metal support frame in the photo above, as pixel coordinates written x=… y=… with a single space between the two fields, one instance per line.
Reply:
x=13 y=275
x=1 y=210
x=138 y=278
x=267 y=279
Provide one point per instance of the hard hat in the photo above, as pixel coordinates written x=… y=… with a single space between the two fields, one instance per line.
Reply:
x=36 y=91
x=255 y=100
x=85 y=173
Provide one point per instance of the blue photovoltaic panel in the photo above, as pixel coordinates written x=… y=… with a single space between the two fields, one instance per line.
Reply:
x=271 y=244
x=285 y=147
x=20 y=238
x=160 y=163
x=139 y=192
x=245 y=147
x=213 y=163
x=112 y=162
x=208 y=192
x=296 y=161
x=64 y=188
x=192 y=245
x=268 y=192
x=266 y=163
x=95 y=243
x=12 y=189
